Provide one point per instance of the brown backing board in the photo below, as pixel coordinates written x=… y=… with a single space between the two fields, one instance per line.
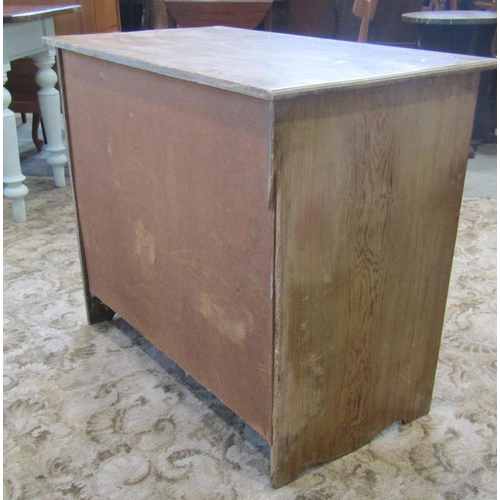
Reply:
x=176 y=232
x=369 y=186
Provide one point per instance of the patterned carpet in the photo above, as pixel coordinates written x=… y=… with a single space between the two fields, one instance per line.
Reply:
x=98 y=413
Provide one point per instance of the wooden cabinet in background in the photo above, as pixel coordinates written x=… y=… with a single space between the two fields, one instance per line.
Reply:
x=100 y=16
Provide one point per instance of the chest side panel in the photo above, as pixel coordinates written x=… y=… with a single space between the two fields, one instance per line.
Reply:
x=369 y=186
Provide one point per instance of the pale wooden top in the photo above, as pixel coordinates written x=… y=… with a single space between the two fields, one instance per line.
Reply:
x=451 y=17
x=25 y=13
x=265 y=65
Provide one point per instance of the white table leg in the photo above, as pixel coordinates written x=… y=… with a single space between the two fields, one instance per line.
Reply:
x=50 y=106
x=13 y=178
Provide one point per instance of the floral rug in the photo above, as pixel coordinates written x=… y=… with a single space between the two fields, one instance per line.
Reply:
x=99 y=413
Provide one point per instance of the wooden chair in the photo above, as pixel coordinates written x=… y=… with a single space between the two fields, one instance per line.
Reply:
x=365 y=9
x=23 y=89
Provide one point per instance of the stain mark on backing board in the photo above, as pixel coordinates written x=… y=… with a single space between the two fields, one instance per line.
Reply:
x=145 y=250
x=215 y=315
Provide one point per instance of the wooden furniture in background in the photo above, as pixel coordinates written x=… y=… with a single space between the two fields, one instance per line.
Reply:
x=279 y=232
x=23 y=90
x=234 y=13
x=385 y=27
x=95 y=16
x=23 y=28
x=462 y=32
x=100 y=16
x=335 y=19
x=365 y=9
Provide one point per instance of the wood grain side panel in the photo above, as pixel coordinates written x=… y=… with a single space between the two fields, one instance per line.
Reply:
x=106 y=15
x=171 y=187
x=369 y=187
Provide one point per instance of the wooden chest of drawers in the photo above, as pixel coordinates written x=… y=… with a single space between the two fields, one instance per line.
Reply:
x=277 y=214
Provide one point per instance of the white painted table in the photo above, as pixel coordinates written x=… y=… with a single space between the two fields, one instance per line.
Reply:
x=23 y=29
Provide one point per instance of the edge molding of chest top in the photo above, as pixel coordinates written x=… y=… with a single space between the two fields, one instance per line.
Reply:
x=277 y=214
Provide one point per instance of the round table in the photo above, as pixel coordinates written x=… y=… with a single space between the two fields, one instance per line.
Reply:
x=461 y=32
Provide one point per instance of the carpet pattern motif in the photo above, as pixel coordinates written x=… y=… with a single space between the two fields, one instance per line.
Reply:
x=99 y=413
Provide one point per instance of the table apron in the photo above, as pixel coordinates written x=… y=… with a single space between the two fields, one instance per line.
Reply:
x=25 y=39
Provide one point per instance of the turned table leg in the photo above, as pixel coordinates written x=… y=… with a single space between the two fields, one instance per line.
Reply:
x=13 y=178
x=50 y=106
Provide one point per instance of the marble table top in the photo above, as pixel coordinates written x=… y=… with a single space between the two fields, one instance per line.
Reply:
x=450 y=17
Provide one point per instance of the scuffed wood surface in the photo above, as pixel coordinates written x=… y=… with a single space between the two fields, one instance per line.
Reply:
x=173 y=216
x=265 y=65
x=369 y=186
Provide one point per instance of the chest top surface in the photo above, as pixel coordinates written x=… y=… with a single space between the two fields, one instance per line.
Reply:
x=265 y=65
